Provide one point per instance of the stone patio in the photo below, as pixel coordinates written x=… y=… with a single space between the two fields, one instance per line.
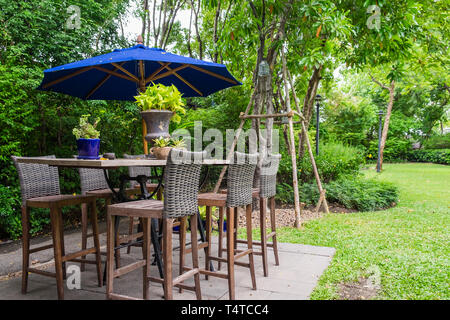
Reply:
x=295 y=278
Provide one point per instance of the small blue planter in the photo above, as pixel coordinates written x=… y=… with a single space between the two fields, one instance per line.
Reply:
x=88 y=148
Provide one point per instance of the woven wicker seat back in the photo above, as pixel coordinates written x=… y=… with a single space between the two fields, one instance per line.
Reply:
x=268 y=178
x=37 y=180
x=181 y=183
x=92 y=179
x=137 y=171
x=240 y=179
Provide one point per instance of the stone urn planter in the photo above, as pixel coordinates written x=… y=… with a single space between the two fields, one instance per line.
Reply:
x=157 y=122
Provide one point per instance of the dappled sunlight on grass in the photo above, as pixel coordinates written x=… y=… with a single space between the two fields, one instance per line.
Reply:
x=408 y=243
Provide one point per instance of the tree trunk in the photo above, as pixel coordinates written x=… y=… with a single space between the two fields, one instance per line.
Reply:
x=386 y=121
x=308 y=105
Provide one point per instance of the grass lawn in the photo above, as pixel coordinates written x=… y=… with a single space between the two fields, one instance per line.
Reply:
x=408 y=244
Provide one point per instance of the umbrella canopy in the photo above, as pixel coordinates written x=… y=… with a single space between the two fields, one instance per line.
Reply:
x=121 y=74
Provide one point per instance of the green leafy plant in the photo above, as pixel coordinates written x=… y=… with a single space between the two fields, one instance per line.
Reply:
x=161 y=97
x=178 y=143
x=162 y=142
x=440 y=156
x=86 y=130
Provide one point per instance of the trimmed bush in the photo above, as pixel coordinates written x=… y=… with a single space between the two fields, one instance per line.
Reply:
x=10 y=216
x=356 y=193
x=334 y=160
x=440 y=156
x=437 y=142
x=351 y=192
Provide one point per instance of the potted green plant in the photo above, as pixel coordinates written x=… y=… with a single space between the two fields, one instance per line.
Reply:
x=160 y=104
x=88 y=142
x=163 y=145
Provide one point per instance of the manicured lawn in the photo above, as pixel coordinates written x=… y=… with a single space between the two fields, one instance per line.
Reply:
x=408 y=244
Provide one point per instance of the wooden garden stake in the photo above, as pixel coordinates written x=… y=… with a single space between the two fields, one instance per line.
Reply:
x=292 y=146
x=322 y=198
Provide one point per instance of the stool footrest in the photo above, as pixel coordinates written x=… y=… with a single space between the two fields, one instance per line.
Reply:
x=42 y=272
x=77 y=254
x=129 y=268
x=40 y=248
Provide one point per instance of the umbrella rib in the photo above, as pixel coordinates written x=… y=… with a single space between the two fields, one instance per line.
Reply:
x=45 y=86
x=168 y=73
x=124 y=70
x=182 y=79
x=150 y=77
x=213 y=74
x=141 y=68
x=102 y=82
x=115 y=74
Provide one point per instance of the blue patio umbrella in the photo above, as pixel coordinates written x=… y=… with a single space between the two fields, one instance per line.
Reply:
x=121 y=74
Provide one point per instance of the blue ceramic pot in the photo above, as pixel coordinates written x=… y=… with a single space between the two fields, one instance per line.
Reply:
x=88 y=148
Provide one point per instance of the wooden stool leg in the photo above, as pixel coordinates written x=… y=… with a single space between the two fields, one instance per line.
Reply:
x=117 y=254
x=236 y=220
x=262 y=224
x=84 y=227
x=230 y=252
x=167 y=256
x=130 y=232
x=220 y=227
x=147 y=255
x=208 y=238
x=274 y=229
x=109 y=254
x=63 y=250
x=248 y=222
x=55 y=216
x=182 y=245
x=194 y=218
x=95 y=235
x=25 y=247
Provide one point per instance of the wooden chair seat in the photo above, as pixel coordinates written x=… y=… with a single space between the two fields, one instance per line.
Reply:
x=141 y=209
x=58 y=201
x=212 y=199
x=255 y=192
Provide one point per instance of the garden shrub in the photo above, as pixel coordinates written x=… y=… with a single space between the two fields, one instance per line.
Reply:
x=437 y=142
x=10 y=214
x=396 y=149
x=440 y=156
x=354 y=193
x=335 y=159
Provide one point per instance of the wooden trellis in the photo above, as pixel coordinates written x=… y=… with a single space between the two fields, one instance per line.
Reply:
x=291 y=141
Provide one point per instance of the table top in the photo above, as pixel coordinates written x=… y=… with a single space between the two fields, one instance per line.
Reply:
x=108 y=164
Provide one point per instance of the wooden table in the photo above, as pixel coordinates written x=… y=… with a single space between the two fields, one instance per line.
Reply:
x=109 y=164
x=120 y=196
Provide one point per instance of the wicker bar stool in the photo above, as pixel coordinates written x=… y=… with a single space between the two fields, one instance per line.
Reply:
x=239 y=193
x=39 y=184
x=266 y=195
x=93 y=183
x=181 y=184
x=151 y=187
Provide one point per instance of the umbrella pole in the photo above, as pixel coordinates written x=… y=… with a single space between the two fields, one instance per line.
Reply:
x=144 y=125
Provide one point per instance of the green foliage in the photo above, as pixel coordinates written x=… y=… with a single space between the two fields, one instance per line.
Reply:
x=161 y=97
x=334 y=159
x=396 y=149
x=437 y=142
x=440 y=156
x=86 y=130
x=354 y=193
x=170 y=142
x=10 y=217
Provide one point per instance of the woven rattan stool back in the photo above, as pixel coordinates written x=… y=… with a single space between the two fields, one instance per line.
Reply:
x=240 y=179
x=37 y=180
x=268 y=178
x=181 y=183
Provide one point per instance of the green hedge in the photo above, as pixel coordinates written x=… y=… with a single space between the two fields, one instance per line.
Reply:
x=349 y=191
x=440 y=156
x=437 y=142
